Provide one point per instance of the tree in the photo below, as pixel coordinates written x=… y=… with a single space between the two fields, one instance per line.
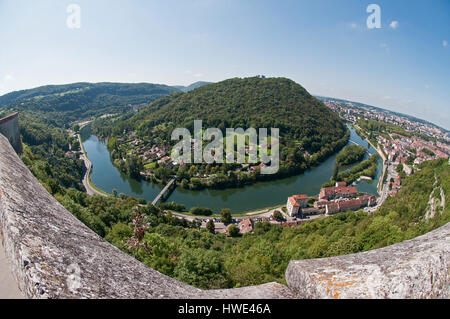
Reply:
x=201 y=211
x=277 y=215
x=133 y=165
x=226 y=216
x=399 y=168
x=335 y=172
x=233 y=231
x=76 y=128
x=211 y=227
x=114 y=191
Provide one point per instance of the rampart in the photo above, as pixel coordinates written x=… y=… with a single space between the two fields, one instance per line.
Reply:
x=9 y=127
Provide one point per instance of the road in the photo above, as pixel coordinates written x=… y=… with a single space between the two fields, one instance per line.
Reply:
x=390 y=171
x=221 y=228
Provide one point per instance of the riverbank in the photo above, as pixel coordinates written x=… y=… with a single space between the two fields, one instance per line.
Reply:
x=91 y=189
x=383 y=157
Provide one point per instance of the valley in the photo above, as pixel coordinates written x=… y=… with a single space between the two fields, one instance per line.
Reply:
x=190 y=250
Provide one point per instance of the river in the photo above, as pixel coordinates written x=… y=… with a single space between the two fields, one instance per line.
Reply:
x=249 y=198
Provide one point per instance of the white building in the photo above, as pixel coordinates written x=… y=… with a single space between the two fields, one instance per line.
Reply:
x=295 y=204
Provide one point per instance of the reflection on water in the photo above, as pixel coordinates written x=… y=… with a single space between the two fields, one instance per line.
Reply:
x=256 y=196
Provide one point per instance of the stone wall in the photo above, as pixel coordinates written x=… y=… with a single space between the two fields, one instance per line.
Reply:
x=53 y=255
x=417 y=268
x=9 y=127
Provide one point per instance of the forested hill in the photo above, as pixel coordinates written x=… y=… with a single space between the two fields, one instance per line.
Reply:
x=62 y=104
x=251 y=102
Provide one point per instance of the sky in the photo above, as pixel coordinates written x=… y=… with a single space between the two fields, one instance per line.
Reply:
x=326 y=46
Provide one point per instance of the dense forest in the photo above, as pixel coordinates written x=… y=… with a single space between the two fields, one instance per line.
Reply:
x=60 y=105
x=350 y=155
x=45 y=149
x=309 y=131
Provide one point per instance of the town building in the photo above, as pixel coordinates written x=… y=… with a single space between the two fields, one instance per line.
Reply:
x=295 y=204
x=246 y=226
x=408 y=170
x=368 y=200
x=351 y=204
x=70 y=154
x=331 y=193
x=320 y=204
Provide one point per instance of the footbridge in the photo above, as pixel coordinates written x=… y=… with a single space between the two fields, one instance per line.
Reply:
x=165 y=189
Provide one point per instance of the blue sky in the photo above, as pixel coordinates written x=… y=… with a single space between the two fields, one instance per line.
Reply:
x=323 y=45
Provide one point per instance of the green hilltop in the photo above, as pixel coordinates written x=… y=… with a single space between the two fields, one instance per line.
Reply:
x=309 y=131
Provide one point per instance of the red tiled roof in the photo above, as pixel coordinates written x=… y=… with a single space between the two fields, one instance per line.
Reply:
x=298 y=197
x=340 y=190
x=294 y=202
x=246 y=226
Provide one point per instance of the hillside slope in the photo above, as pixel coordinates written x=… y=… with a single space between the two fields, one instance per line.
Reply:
x=251 y=102
x=309 y=131
x=62 y=104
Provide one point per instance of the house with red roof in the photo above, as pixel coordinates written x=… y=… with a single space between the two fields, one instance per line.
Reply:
x=343 y=206
x=246 y=226
x=331 y=193
x=295 y=204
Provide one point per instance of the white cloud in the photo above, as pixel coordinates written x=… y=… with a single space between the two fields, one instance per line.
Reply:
x=394 y=25
x=445 y=43
x=198 y=75
x=8 y=77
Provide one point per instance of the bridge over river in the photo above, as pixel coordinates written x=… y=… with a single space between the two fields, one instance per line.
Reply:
x=165 y=189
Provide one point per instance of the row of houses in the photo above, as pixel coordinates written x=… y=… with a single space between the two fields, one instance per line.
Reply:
x=340 y=191
x=332 y=200
x=396 y=185
x=344 y=205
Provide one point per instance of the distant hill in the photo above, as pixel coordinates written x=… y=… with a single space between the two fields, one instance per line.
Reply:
x=191 y=87
x=62 y=104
